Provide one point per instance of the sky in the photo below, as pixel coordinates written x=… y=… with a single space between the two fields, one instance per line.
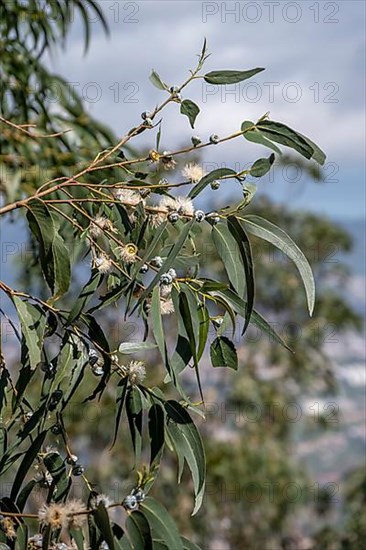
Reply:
x=314 y=55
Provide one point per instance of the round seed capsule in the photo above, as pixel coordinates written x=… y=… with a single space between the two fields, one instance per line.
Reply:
x=77 y=470
x=173 y=217
x=166 y=279
x=215 y=185
x=130 y=502
x=199 y=215
x=214 y=138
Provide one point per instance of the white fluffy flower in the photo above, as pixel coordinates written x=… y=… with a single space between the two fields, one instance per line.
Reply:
x=103 y=263
x=128 y=197
x=193 y=172
x=74 y=515
x=53 y=515
x=128 y=253
x=182 y=205
x=136 y=372
x=157 y=219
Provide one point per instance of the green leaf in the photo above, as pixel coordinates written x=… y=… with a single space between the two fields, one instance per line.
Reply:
x=230 y=77
x=156 y=424
x=161 y=523
x=169 y=261
x=121 y=396
x=78 y=538
x=26 y=464
x=54 y=256
x=251 y=133
x=128 y=348
x=239 y=305
x=187 y=441
x=223 y=353
x=85 y=296
x=157 y=323
x=101 y=519
x=33 y=323
x=186 y=315
x=188 y=545
x=157 y=82
x=134 y=416
x=280 y=133
x=204 y=320
x=268 y=231
x=209 y=178
x=228 y=250
x=262 y=166
x=246 y=254
x=139 y=532
x=190 y=109
x=319 y=156
x=61 y=480
x=70 y=360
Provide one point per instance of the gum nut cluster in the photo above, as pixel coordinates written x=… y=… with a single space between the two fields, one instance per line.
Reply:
x=132 y=501
x=168 y=277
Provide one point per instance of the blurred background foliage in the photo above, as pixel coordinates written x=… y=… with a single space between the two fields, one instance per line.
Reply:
x=251 y=463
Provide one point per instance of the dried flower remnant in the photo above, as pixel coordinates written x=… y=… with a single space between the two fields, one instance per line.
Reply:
x=75 y=513
x=8 y=526
x=99 y=225
x=166 y=307
x=193 y=172
x=103 y=263
x=167 y=160
x=53 y=515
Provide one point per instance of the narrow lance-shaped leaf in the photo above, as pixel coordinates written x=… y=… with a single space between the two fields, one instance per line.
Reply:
x=230 y=77
x=161 y=523
x=176 y=248
x=246 y=255
x=26 y=464
x=156 y=424
x=33 y=323
x=101 y=519
x=229 y=252
x=187 y=439
x=280 y=133
x=239 y=305
x=139 y=531
x=251 y=133
x=121 y=396
x=128 y=348
x=268 y=231
x=186 y=315
x=85 y=296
